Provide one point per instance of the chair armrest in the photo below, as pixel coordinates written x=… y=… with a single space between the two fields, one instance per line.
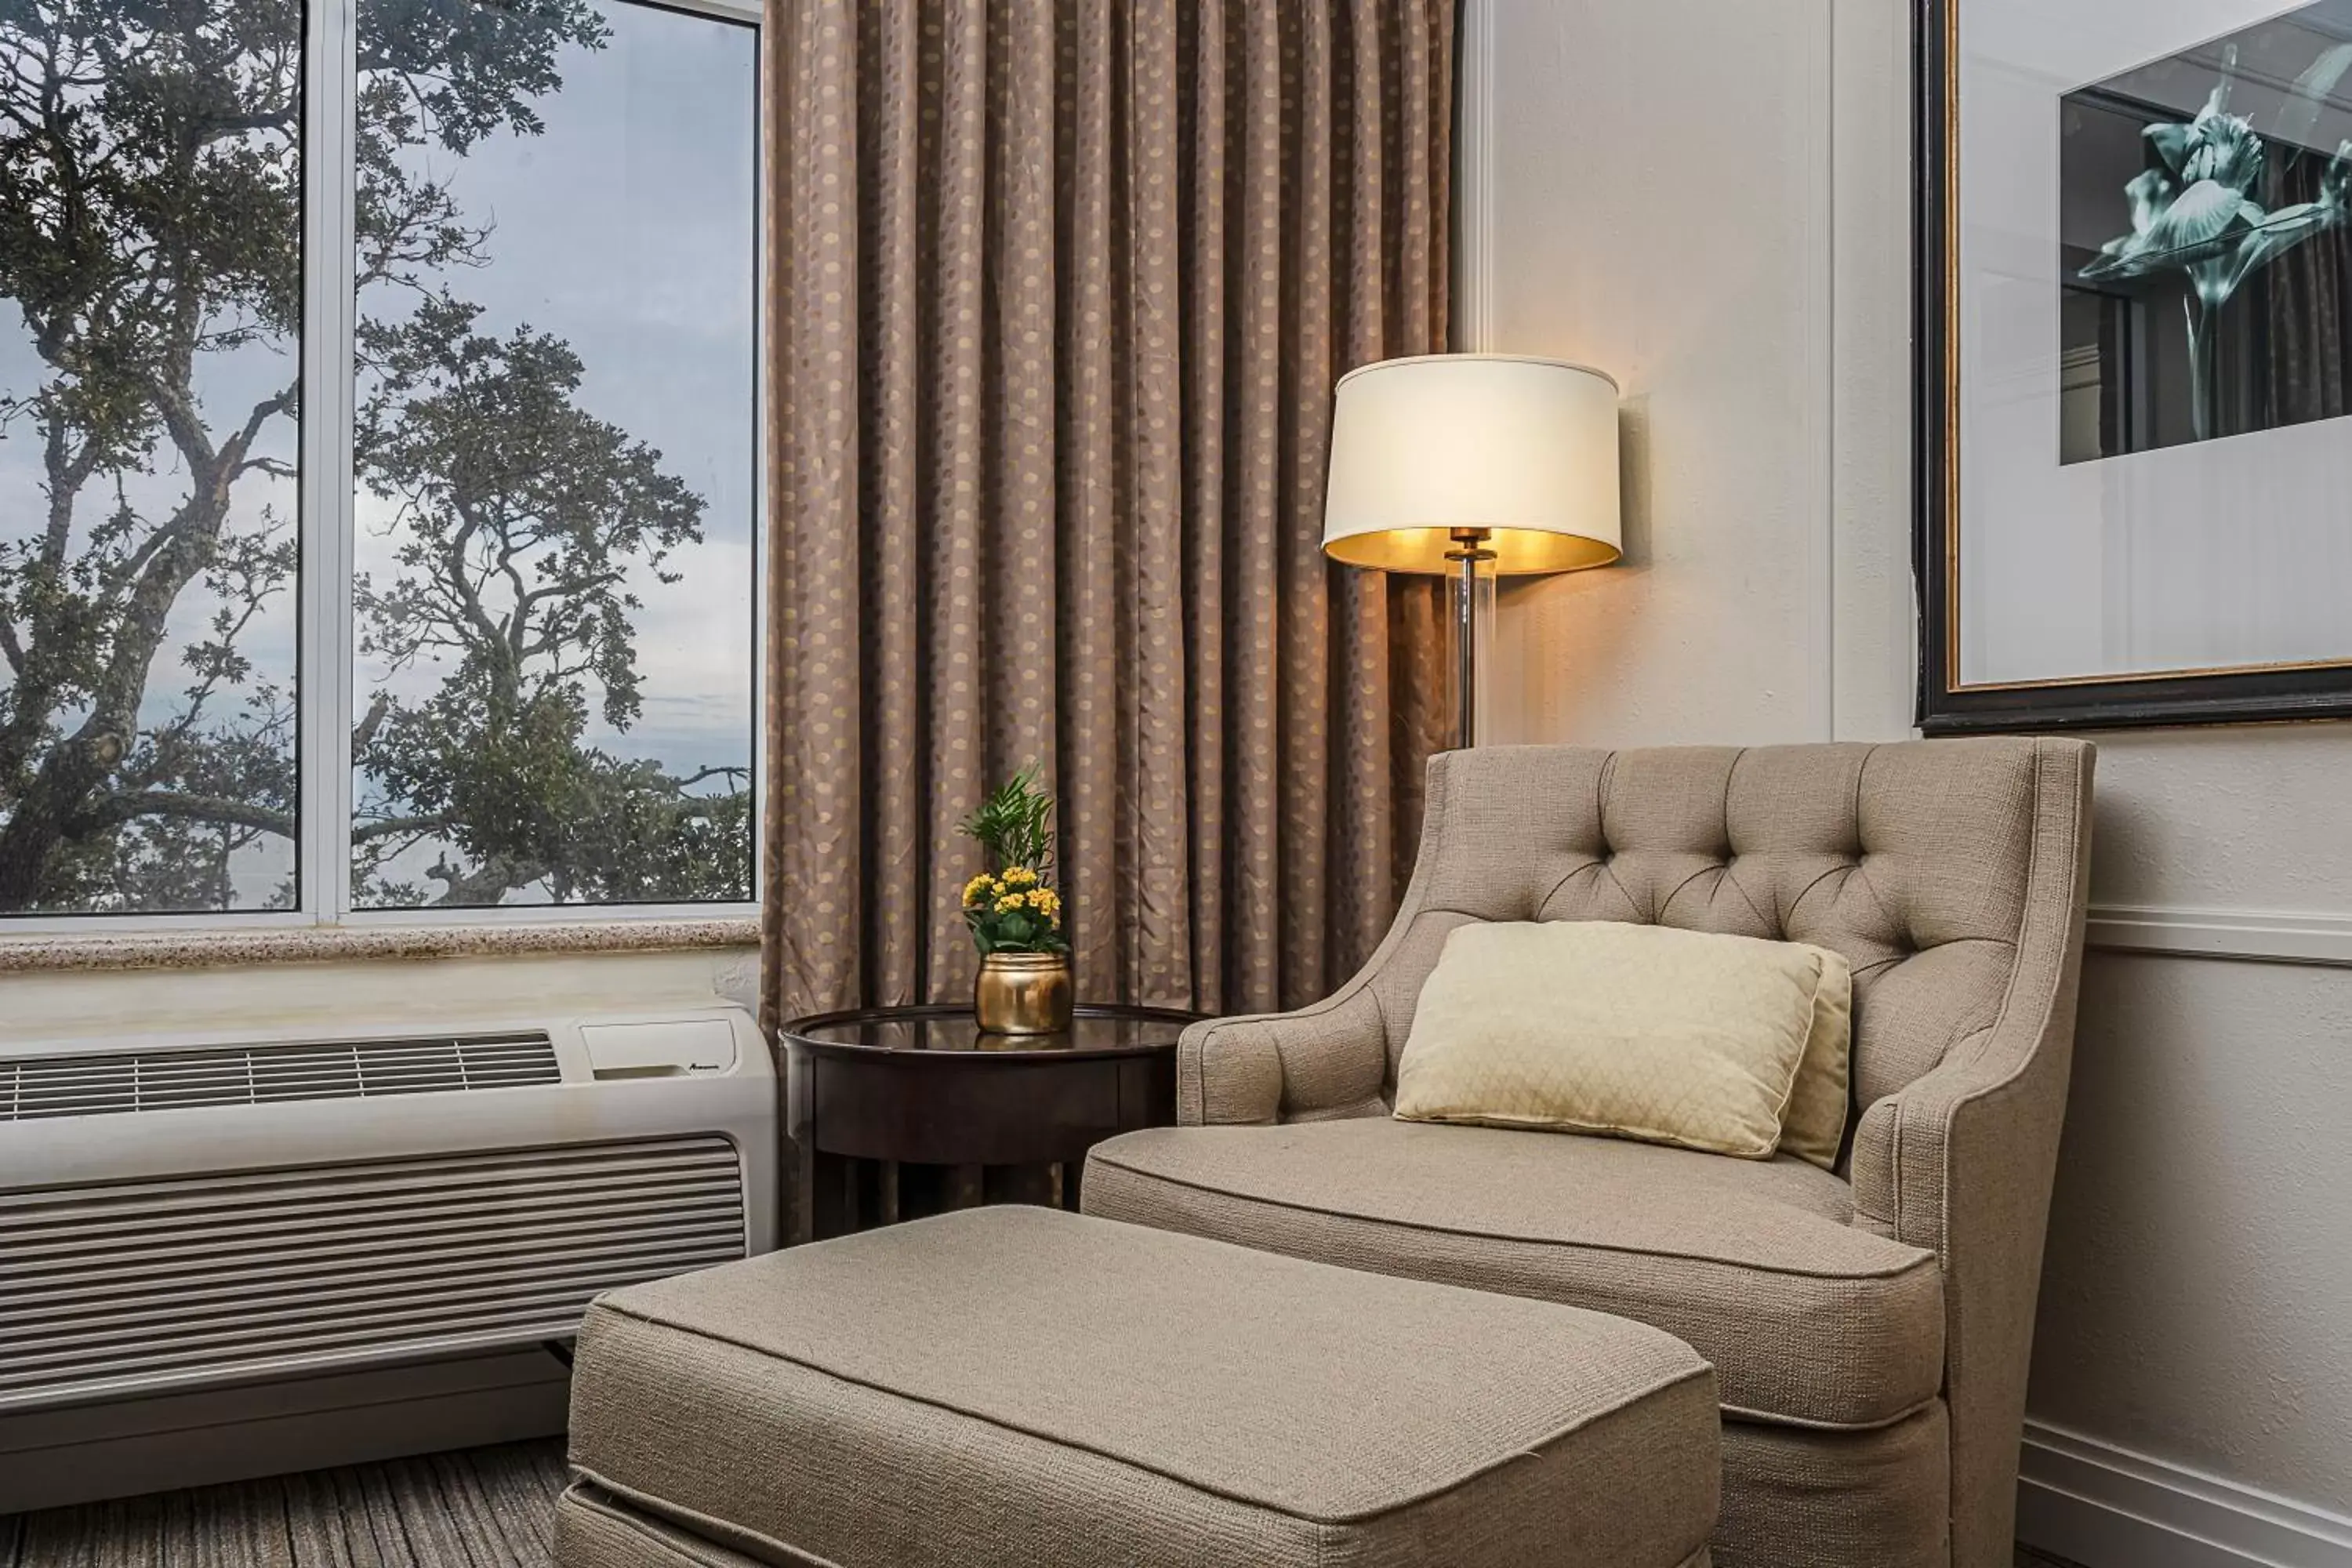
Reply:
x=1961 y=1159
x=1960 y=1163
x=1330 y=1060
x=1325 y=1061
x=1965 y=1154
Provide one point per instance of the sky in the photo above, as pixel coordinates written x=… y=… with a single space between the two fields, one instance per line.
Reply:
x=629 y=230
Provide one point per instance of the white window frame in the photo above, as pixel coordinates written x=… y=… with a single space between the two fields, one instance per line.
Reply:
x=323 y=679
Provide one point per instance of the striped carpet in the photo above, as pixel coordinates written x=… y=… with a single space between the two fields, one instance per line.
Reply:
x=486 y=1508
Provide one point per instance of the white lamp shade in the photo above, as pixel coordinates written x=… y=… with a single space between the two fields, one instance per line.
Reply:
x=1525 y=450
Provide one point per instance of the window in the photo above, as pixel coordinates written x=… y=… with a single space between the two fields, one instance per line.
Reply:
x=378 y=456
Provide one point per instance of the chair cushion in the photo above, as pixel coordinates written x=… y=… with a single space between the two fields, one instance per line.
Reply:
x=1021 y=1386
x=1807 y=1319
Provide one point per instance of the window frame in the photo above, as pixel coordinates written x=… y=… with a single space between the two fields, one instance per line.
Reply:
x=324 y=638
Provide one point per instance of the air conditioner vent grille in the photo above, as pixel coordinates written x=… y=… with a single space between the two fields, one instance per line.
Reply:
x=118 y=1288
x=34 y=1087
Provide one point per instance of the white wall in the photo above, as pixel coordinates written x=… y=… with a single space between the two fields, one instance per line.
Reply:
x=1612 y=217
x=1710 y=199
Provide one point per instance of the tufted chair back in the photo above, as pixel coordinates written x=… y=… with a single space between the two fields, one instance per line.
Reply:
x=1913 y=860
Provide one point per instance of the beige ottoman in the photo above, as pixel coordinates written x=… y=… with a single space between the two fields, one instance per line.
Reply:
x=1033 y=1389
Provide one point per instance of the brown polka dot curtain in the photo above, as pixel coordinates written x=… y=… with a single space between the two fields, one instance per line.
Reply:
x=1060 y=289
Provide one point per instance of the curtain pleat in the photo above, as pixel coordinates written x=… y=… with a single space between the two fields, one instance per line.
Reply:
x=889 y=292
x=1207 y=181
x=1060 y=290
x=2303 y=337
x=1159 y=957
x=950 y=750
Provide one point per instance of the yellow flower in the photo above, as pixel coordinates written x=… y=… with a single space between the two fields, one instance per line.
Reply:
x=978 y=888
x=1008 y=904
x=1019 y=876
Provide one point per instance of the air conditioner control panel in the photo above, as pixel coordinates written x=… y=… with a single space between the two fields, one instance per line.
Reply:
x=659 y=1049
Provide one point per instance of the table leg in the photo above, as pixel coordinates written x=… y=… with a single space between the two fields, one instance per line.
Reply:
x=828 y=1198
x=800 y=1194
x=1020 y=1184
x=870 y=1187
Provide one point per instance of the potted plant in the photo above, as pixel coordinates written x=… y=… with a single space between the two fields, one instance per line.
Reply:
x=1025 y=986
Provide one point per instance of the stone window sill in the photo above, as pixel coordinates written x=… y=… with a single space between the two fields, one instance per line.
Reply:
x=216 y=947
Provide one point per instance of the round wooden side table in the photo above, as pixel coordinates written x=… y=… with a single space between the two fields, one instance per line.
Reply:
x=896 y=1113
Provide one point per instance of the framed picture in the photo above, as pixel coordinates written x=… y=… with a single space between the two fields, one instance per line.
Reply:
x=2135 y=354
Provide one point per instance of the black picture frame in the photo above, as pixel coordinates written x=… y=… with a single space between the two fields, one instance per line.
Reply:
x=2243 y=695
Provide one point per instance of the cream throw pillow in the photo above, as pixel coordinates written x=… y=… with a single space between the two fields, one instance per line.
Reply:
x=1646 y=1032
x=1813 y=1127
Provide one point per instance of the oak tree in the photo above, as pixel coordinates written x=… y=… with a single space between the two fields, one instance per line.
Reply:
x=150 y=237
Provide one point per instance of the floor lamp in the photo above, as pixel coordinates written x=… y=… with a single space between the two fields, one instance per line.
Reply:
x=1474 y=467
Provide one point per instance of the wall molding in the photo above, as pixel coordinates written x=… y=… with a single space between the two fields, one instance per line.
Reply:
x=2106 y=1507
x=2243 y=935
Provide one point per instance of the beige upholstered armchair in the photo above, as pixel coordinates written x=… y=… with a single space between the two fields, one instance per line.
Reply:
x=1870 y=1326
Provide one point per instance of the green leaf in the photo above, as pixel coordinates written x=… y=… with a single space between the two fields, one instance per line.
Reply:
x=1014 y=827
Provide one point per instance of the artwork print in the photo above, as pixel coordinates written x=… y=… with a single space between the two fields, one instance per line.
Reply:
x=2205 y=233
x=2134 y=349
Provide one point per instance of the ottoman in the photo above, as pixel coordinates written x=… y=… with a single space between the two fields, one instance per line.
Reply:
x=1033 y=1389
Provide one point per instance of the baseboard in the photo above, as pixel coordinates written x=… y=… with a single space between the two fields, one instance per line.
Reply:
x=89 y=1453
x=2106 y=1507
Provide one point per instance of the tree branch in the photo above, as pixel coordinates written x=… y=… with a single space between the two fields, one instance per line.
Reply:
x=263 y=412
x=369 y=832
x=363 y=732
x=210 y=808
x=484 y=885
x=228 y=813
x=687 y=784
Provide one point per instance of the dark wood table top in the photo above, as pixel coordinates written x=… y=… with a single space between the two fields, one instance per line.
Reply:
x=949 y=1034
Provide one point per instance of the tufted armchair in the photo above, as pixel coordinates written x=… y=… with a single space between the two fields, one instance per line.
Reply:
x=1870 y=1326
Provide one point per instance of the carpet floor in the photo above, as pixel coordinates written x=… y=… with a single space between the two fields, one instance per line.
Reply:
x=485 y=1508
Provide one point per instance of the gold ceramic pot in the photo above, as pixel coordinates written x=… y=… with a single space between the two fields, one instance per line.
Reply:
x=1023 y=993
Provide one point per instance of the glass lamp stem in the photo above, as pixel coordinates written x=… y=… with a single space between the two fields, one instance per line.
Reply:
x=1474 y=613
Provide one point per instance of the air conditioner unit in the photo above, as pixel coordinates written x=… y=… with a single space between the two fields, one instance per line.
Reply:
x=182 y=1213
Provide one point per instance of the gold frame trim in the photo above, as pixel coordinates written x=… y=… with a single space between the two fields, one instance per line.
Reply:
x=1951 y=376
